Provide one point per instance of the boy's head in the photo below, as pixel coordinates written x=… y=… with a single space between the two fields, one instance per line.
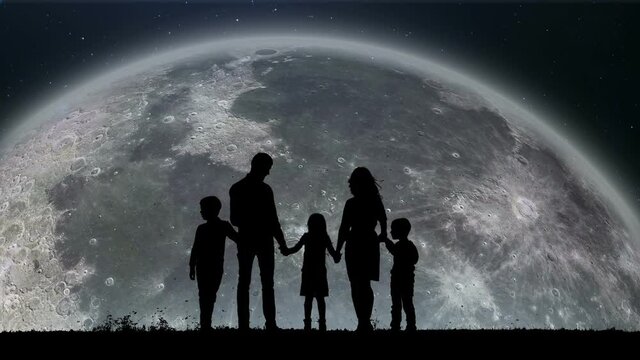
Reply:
x=400 y=228
x=210 y=207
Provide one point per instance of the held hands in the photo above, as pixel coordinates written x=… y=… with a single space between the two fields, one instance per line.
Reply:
x=382 y=237
x=284 y=250
x=192 y=273
x=337 y=257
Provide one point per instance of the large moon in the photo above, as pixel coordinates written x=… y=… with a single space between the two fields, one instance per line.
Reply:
x=100 y=188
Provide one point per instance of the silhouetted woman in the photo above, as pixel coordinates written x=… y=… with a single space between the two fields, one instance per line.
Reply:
x=359 y=219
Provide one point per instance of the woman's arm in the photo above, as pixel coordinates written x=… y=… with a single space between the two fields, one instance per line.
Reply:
x=334 y=254
x=345 y=226
x=382 y=218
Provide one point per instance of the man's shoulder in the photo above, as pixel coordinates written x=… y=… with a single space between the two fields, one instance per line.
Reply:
x=246 y=182
x=237 y=184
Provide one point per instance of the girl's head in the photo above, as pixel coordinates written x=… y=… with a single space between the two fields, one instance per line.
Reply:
x=316 y=224
x=363 y=184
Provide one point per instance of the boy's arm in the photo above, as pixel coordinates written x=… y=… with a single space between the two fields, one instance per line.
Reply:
x=414 y=255
x=193 y=259
x=232 y=233
x=390 y=246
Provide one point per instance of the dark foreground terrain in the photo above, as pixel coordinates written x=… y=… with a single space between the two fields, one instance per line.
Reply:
x=423 y=344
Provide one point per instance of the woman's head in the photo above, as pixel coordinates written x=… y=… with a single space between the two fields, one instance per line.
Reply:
x=362 y=183
x=317 y=224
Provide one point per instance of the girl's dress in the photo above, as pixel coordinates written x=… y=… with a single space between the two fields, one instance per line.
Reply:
x=314 y=270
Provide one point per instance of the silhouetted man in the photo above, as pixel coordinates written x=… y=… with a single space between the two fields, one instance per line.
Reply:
x=253 y=211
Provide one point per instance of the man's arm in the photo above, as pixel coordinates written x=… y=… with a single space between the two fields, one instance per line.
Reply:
x=297 y=246
x=279 y=235
x=275 y=223
x=390 y=246
x=234 y=206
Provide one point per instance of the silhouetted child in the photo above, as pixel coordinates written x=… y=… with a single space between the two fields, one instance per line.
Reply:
x=207 y=256
x=405 y=257
x=314 y=271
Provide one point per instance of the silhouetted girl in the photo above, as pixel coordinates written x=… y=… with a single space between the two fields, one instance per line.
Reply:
x=361 y=214
x=316 y=243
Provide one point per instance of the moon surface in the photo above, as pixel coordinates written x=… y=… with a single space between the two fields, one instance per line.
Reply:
x=99 y=192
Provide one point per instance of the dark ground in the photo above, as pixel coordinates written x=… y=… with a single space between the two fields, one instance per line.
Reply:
x=424 y=344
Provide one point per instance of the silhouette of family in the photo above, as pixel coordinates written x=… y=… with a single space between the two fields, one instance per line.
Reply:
x=253 y=212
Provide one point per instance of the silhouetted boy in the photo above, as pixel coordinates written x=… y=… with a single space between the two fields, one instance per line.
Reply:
x=405 y=257
x=207 y=256
x=316 y=243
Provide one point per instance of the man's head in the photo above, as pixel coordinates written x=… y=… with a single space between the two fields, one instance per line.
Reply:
x=210 y=207
x=400 y=228
x=261 y=164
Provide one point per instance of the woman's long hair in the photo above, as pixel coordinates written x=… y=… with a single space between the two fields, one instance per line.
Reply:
x=363 y=184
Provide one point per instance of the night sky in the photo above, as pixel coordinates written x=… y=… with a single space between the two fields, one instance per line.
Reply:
x=576 y=62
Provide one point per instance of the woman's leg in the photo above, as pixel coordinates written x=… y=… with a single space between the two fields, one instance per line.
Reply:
x=362 y=295
x=367 y=303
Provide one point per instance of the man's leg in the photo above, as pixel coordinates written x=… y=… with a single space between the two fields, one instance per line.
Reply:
x=245 y=263
x=266 y=262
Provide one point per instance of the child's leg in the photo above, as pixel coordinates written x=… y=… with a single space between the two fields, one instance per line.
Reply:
x=308 y=303
x=206 y=309
x=396 y=304
x=407 y=303
x=321 y=308
x=208 y=284
x=322 y=322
